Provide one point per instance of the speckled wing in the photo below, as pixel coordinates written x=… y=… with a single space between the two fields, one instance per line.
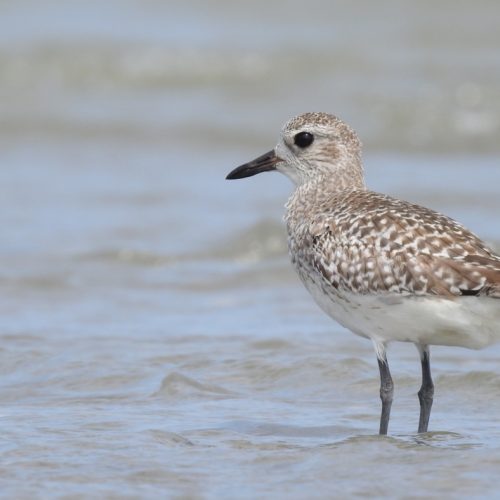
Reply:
x=370 y=243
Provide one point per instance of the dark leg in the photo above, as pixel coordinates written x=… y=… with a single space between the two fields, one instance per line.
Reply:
x=426 y=392
x=386 y=392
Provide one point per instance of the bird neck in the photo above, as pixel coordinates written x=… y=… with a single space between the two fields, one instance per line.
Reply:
x=345 y=174
x=319 y=194
x=341 y=178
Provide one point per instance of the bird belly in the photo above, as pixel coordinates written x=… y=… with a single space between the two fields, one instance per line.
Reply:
x=472 y=322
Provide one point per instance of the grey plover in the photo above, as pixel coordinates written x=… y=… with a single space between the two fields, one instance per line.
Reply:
x=386 y=269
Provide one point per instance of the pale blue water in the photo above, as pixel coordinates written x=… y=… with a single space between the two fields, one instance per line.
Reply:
x=154 y=339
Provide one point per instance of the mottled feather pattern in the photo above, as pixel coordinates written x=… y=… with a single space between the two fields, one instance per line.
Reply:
x=368 y=243
x=386 y=269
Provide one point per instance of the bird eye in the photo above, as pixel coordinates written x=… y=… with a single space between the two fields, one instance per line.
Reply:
x=303 y=139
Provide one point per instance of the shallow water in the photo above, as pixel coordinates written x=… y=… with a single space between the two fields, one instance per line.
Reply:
x=154 y=339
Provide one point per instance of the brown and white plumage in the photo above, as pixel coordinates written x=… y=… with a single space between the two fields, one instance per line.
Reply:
x=386 y=269
x=368 y=243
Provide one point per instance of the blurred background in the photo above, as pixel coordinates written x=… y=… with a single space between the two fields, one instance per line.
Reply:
x=153 y=335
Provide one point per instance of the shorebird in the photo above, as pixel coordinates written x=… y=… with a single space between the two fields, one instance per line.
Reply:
x=386 y=269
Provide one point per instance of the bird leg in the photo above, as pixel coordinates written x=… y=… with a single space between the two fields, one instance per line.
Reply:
x=426 y=392
x=386 y=391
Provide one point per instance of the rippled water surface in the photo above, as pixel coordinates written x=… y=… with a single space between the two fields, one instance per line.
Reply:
x=154 y=339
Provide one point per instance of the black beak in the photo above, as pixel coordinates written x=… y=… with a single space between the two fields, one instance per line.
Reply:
x=263 y=163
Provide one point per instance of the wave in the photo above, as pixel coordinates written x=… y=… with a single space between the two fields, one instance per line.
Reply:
x=154 y=91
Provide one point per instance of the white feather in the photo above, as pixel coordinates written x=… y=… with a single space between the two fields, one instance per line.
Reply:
x=472 y=322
